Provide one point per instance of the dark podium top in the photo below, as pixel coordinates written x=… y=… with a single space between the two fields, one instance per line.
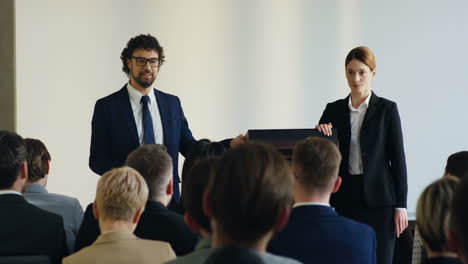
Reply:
x=285 y=139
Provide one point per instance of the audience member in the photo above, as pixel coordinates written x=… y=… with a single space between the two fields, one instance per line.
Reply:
x=157 y=222
x=458 y=234
x=201 y=149
x=120 y=201
x=36 y=193
x=433 y=219
x=195 y=183
x=25 y=229
x=314 y=227
x=457 y=166
x=248 y=199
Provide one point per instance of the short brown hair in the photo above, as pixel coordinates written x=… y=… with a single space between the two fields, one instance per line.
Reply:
x=251 y=188
x=120 y=193
x=38 y=155
x=459 y=216
x=432 y=213
x=316 y=162
x=155 y=165
x=362 y=54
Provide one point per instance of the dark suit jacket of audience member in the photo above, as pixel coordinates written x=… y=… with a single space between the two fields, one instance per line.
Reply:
x=156 y=223
x=28 y=230
x=317 y=234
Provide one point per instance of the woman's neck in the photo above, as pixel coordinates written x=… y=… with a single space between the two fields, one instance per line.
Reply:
x=357 y=98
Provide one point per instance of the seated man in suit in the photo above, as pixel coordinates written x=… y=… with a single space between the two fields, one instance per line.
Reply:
x=315 y=233
x=120 y=200
x=458 y=234
x=36 y=193
x=24 y=228
x=157 y=222
x=248 y=199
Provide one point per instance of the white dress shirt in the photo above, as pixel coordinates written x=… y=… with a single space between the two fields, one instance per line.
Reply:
x=309 y=203
x=137 y=107
x=356 y=117
x=10 y=192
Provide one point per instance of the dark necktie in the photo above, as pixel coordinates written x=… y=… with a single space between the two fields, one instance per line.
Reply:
x=148 y=132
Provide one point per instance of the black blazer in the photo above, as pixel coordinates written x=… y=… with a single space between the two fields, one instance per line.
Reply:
x=317 y=234
x=383 y=155
x=156 y=223
x=114 y=133
x=28 y=230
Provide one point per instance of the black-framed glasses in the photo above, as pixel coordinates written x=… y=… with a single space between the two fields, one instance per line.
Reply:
x=140 y=61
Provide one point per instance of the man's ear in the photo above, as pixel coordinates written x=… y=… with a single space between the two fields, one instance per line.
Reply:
x=95 y=211
x=47 y=167
x=138 y=214
x=170 y=187
x=129 y=64
x=207 y=204
x=337 y=184
x=191 y=223
x=452 y=241
x=24 y=171
x=283 y=219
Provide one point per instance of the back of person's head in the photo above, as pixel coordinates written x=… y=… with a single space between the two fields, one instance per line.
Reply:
x=316 y=163
x=250 y=192
x=201 y=149
x=195 y=185
x=457 y=164
x=234 y=255
x=38 y=158
x=433 y=214
x=155 y=165
x=459 y=220
x=12 y=155
x=120 y=193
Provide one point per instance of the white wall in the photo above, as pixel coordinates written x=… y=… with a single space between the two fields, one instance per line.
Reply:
x=242 y=64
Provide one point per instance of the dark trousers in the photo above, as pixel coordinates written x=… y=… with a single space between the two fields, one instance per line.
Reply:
x=350 y=202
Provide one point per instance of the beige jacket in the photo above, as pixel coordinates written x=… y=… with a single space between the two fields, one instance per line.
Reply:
x=122 y=247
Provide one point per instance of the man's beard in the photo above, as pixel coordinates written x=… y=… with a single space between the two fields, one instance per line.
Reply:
x=144 y=83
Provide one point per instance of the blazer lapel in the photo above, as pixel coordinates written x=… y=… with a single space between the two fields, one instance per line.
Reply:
x=127 y=115
x=163 y=112
x=371 y=110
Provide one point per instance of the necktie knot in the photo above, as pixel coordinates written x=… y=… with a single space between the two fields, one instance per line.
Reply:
x=145 y=99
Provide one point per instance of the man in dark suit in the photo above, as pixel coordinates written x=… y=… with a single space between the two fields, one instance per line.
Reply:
x=24 y=228
x=157 y=222
x=315 y=233
x=138 y=114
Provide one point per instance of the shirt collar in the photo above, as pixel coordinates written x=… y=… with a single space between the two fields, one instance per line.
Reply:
x=135 y=96
x=310 y=203
x=364 y=104
x=9 y=192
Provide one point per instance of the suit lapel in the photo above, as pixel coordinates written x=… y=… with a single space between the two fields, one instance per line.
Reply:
x=127 y=115
x=163 y=112
x=371 y=110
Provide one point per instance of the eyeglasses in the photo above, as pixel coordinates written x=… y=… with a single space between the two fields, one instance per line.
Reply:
x=140 y=61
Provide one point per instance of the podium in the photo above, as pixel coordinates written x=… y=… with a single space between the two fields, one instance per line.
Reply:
x=285 y=139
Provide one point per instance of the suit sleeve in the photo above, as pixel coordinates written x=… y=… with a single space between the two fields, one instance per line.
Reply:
x=100 y=160
x=397 y=158
x=186 y=138
x=326 y=115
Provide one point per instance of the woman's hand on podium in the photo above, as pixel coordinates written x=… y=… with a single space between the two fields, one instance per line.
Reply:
x=325 y=129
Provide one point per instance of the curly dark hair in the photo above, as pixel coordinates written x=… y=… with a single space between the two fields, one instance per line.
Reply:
x=146 y=42
x=37 y=158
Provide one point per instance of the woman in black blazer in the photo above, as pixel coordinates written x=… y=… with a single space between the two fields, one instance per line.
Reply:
x=373 y=168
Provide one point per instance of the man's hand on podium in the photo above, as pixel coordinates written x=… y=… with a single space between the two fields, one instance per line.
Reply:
x=240 y=139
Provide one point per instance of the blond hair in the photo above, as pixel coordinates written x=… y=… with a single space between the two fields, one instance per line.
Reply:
x=120 y=193
x=432 y=213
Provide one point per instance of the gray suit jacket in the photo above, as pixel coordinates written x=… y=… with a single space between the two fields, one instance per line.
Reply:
x=68 y=207
x=121 y=247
